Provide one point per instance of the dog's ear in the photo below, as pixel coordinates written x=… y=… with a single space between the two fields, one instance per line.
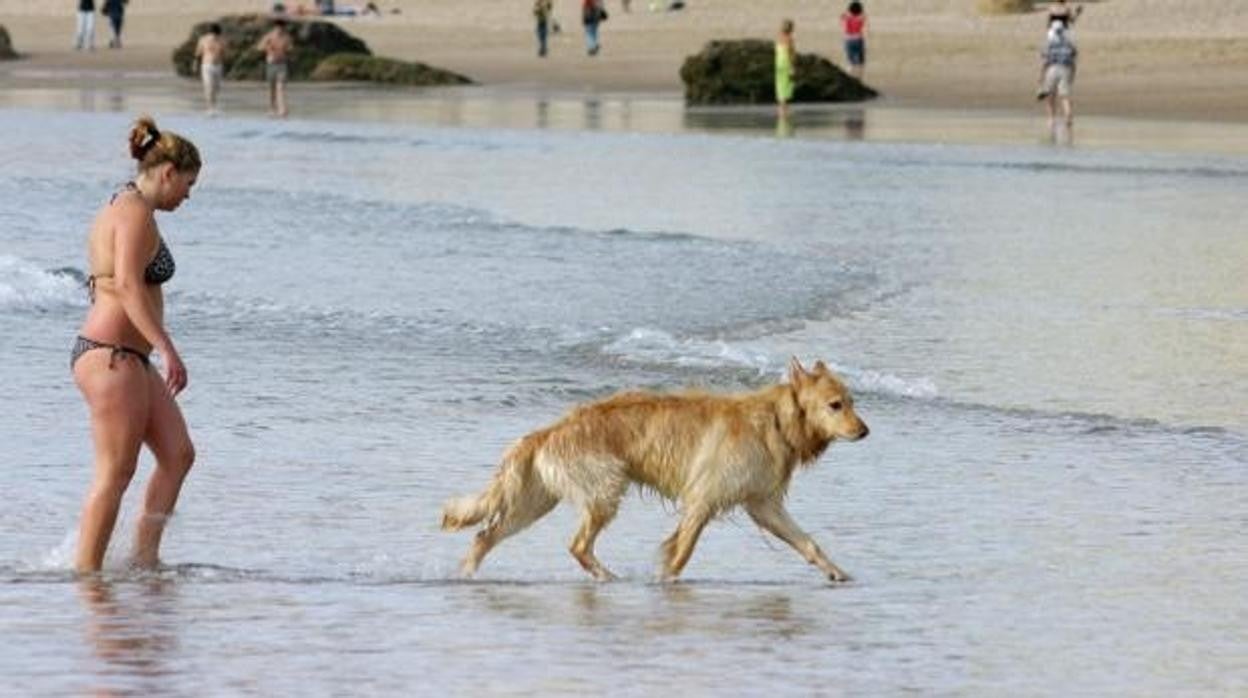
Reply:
x=797 y=374
x=820 y=367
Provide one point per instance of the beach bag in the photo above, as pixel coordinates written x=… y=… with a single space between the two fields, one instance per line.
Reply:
x=602 y=14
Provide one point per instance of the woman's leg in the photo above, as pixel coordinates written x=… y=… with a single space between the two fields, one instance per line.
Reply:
x=168 y=440
x=90 y=21
x=205 y=77
x=80 y=36
x=117 y=395
x=591 y=38
x=116 y=19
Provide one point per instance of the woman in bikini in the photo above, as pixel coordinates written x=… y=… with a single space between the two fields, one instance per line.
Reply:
x=129 y=402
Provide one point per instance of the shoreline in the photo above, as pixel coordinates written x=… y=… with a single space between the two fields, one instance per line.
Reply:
x=537 y=107
x=1149 y=80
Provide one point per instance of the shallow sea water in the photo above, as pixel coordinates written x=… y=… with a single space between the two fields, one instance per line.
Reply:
x=1050 y=346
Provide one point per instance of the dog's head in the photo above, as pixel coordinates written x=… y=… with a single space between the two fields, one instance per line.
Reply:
x=828 y=406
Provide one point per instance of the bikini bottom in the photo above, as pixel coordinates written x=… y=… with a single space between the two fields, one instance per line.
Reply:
x=84 y=344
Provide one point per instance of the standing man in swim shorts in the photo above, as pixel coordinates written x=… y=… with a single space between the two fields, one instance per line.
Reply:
x=210 y=52
x=277 y=45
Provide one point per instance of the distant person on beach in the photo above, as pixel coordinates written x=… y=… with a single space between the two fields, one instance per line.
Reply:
x=210 y=53
x=129 y=402
x=1060 y=11
x=854 y=24
x=115 y=10
x=85 y=38
x=592 y=14
x=277 y=45
x=1057 y=72
x=786 y=60
x=542 y=10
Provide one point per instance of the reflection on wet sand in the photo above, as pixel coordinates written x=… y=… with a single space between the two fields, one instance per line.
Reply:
x=132 y=629
x=850 y=124
x=784 y=125
x=519 y=109
x=650 y=610
x=1061 y=134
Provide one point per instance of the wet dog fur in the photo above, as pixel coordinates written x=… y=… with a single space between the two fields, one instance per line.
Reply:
x=709 y=453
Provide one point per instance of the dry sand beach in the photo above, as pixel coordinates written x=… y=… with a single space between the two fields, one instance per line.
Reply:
x=1175 y=60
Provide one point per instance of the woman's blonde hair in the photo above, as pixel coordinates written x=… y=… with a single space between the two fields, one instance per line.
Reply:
x=152 y=147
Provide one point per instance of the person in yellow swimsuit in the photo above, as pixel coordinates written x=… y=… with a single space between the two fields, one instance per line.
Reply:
x=786 y=58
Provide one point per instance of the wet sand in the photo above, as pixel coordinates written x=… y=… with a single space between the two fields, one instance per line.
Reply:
x=543 y=108
x=947 y=74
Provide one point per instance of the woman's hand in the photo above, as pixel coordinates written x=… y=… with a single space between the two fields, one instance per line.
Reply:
x=175 y=371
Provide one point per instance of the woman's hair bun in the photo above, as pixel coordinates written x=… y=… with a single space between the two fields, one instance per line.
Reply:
x=153 y=147
x=143 y=137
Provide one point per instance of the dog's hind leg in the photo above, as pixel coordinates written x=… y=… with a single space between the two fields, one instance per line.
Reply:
x=535 y=504
x=593 y=521
x=771 y=515
x=679 y=546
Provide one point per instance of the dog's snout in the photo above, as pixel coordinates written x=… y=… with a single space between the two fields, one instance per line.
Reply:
x=863 y=434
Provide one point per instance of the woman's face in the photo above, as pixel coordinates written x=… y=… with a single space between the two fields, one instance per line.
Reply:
x=177 y=187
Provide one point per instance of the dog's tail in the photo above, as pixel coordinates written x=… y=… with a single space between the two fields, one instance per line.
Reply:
x=506 y=487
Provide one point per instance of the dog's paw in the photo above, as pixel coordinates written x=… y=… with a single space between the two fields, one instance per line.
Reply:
x=839 y=576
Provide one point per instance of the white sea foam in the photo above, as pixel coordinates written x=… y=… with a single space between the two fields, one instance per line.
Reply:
x=646 y=345
x=656 y=346
x=1208 y=314
x=26 y=286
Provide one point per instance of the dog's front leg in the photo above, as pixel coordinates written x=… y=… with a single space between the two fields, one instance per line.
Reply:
x=772 y=516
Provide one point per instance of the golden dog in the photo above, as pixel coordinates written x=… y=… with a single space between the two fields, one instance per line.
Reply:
x=710 y=453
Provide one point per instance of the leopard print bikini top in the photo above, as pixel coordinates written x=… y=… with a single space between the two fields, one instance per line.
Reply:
x=157 y=272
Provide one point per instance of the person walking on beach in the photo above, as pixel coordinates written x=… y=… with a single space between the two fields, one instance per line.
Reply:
x=592 y=14
x=542 y=10
x=1057 y=72
x=85 y=38
x=786 y=60
x=854 y=24
x=129 y=402
x=115 y=10
x=277 y=45
x=210 y=52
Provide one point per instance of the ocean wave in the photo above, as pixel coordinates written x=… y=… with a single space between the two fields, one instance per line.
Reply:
x=1211 y=314
x=324 y=137
x=28 y=287
x=656 y=347
x=1130 y=166
x=1129 y=170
